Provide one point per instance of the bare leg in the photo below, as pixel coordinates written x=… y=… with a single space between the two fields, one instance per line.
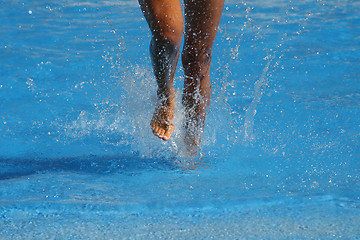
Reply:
x=166 y=24
x=202 y=18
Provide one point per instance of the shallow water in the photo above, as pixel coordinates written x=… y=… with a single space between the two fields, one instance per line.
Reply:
x=280 y=153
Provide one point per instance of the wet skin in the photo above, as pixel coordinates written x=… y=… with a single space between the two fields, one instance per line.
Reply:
x=166 y=22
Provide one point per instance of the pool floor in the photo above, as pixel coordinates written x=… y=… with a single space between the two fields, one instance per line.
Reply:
x=305 y=219
x=280 y=152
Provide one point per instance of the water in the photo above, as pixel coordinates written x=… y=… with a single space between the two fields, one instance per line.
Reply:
x=280 y=153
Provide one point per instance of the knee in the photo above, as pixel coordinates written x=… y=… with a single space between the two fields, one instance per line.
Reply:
x=168 y=33
x=174 y=34
x=164 y=48
x=196 y=59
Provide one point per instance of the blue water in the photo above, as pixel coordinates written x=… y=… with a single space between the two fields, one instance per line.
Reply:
x=280 y=156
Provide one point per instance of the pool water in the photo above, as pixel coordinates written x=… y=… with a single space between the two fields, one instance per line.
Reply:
x=280 y=156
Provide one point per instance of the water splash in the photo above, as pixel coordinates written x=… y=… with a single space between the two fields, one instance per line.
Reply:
x=250 y=112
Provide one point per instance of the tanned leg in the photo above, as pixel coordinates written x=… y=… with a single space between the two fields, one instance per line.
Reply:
x=202 y=18
x=166 y=24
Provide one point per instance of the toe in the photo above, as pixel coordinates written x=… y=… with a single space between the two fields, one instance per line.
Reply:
x=169 y=132
x=161 y=132
x=154 y=128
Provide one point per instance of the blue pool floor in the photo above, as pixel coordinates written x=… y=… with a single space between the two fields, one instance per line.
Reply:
x=280 y=151
x=320 y=218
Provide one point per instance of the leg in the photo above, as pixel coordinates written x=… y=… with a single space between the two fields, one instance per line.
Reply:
x=202 y=18
x=166 y=24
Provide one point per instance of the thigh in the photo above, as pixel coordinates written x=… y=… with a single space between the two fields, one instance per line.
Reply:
x=202 y=18
x=164 y=17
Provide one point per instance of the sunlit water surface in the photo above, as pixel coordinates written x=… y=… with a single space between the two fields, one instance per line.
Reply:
x=280 y=153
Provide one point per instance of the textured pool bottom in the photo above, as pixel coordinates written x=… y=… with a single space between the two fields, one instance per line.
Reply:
x=79 y=204
x=310 y=219
x=287 y=99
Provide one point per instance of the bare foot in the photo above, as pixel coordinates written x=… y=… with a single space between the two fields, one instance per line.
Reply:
x=195 y=106
x=192 y=138
x=161 y=123
x=194 y=125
